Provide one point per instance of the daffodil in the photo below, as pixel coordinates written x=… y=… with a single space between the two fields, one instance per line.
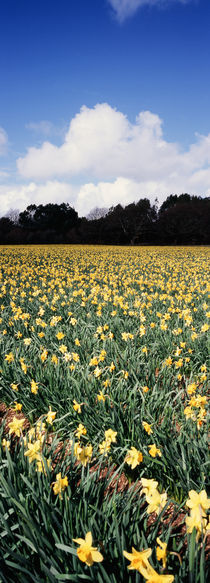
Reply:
x=81 y=430
x=137 y=558
x=60 y=485
x=5 y=444
x=198 y=501
x=152 y=576
x=16 y=426
x=50 y=416
x=154 y=451
x=34 y=387
x=110 y=435
x=134 y=457
x=147 y=427
x=18 y=406
x=161 y=552
x=86 y=552
x=76 y=406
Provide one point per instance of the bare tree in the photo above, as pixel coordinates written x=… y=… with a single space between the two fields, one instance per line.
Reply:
x=13 y=215
x=97 y=213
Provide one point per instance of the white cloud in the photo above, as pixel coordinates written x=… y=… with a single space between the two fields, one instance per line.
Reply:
x=125 y=8
x=20 y=196
x=113 y=161
x=3 y=141
x=103 y=145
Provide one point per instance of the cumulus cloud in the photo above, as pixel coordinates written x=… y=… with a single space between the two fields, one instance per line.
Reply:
x=20 y=196
x=103 y=145
x=105 y=160
x=3 y=141
x=125 y=8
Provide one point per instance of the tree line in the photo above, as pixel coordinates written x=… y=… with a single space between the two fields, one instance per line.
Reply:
x=180 y=220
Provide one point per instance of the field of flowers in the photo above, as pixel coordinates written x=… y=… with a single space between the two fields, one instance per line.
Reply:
x=103 y=414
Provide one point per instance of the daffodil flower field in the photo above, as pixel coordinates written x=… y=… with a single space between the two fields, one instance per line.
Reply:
x=104 y=414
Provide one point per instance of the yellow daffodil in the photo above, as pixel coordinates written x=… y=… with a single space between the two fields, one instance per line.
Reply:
x=50 y=416
x=154 y=451
x=86 y=552
x=5 y=444
x=81 y=430
x=77 y=406
x=110 y=435
x=16 y=426
x=133 y=458
x=34 y=387
x=60 y=485
x=161 y=552
x=137 y=558
x=147 y=427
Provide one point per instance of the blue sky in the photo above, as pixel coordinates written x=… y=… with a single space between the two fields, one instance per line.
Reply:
x=139 y=69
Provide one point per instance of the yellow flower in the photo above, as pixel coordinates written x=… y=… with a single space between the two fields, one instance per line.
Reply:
x=133 y=457
x=204 y=328
x=147 y=427
x=137 y=558
x=50 y=416
x=161 y=551
x=106 y=383
x=41 y=334
x=188 y=412
x=5 y=444
x=198 y=501
x=60 y=335
x=44 y=355
x=195 y=520
x=155 y=500
x=84 y=456
x=86 y=553
x=27 y=341
x=34 y=387
x=40 y=465
x=203 y=368
x=54 y=359
x=179 y=363
x=191 y=388
x=93 y=361
x=9 y=357
x=144 y=349
x=97 y=372
x=100 y=397
x=33 y=451
x=110 y=435
x=153 y=577
x=148 y=485
x=154 y=451
x=81 y=430
x=23 y=365
x=112 y=367
x=77 y=406
x=18 y=406
x=15 y=426
x=145 y=389
x=14 y=387
x=104 y=447
x=60 y=485
x=168 y=361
